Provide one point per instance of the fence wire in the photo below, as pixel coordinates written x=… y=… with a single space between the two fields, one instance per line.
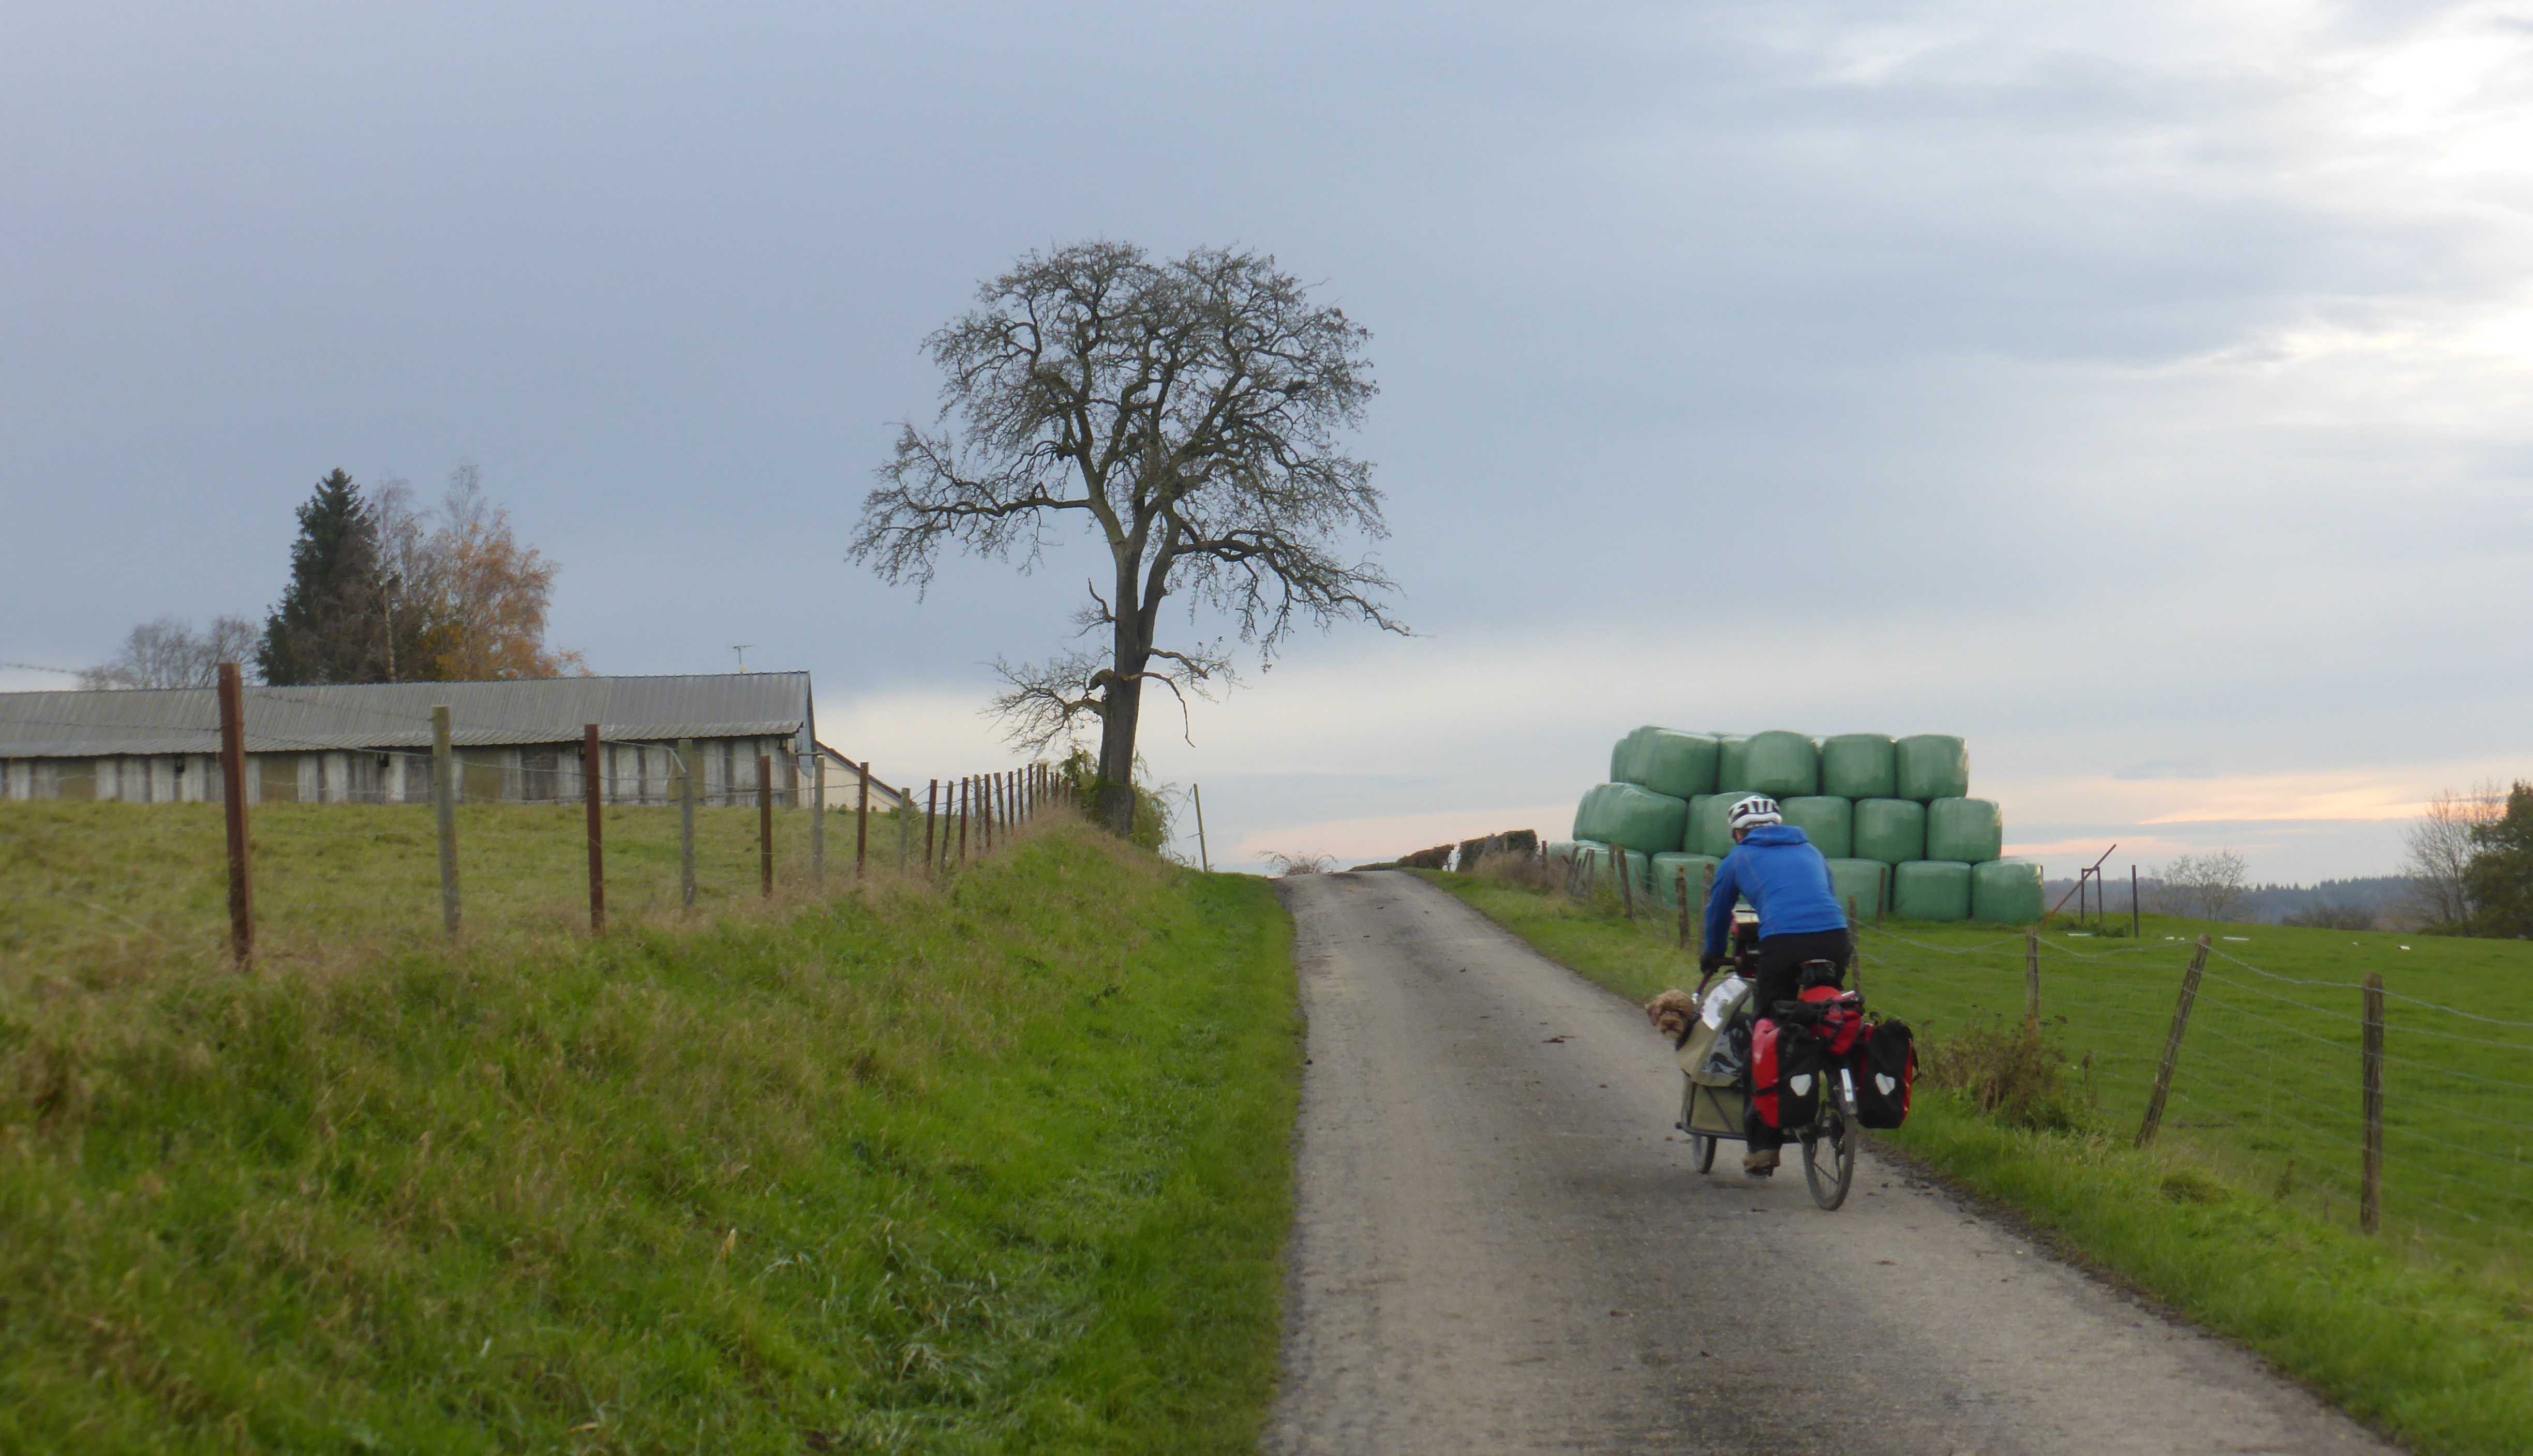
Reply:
x=2267 y=1078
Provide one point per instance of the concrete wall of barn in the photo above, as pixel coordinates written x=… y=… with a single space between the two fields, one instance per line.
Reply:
x=631 y=774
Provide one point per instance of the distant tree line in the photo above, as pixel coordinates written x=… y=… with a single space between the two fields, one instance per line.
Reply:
x=378 y=591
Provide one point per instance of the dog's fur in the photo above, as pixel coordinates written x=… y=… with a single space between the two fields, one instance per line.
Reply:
x=1672 y=1013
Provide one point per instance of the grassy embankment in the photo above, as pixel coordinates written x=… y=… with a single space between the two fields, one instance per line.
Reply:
x=146 y=885
x=2242 y=1214
x=997 y=1166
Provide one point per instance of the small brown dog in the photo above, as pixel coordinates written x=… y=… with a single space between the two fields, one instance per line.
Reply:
x=1672 y=1013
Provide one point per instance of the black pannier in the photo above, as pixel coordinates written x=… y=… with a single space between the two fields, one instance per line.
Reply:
x=1886 y=1071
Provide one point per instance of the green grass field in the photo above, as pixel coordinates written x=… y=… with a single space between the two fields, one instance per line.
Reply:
x=101 y=887
x=2244 y=1213
x=996 y=1166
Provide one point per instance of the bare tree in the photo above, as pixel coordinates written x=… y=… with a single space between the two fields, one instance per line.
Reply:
x=1190 y=410
x=2205 y=887
x=169 y=653
x=2440 y=846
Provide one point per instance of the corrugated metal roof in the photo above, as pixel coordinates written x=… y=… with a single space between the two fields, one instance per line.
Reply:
x=397 y=715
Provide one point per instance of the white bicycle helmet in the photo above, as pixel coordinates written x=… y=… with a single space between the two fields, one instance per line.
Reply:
x=1752 y=812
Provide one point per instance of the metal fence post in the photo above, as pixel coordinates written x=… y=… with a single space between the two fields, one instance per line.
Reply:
x=818 y=817
x=233 y=806
x=2031 y=979
x=765 y=823
x=444 y=798
x=2173 y=1045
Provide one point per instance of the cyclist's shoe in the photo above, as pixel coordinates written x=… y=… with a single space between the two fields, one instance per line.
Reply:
x=1760 y=1164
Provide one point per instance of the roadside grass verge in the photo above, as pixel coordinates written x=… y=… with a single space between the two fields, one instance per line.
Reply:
x=997 y=1166
x=2429 y=1337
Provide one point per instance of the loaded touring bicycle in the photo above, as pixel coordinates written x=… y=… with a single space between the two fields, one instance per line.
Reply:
x=1812 y=1067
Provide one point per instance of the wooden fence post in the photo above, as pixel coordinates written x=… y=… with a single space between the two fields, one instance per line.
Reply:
x=904 y=829
x=1679 y=891
x=861 y=824
x=233 y=807
x=2031 y=980
x=817 y=815
x=1620 y=871
x=444 y=798
x=1705 y=904
x=2173 y=1045
x=686 y=823
x=931 y=806
x=1855 y=956
x=966 y=797
x=2370 y=1204
x=765 y=822
x=1204 y=861
x=592 y=788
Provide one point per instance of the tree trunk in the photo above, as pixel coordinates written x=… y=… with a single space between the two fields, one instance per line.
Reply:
x=1123 y=703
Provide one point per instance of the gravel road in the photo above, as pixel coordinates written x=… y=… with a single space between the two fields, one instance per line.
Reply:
x=1501 y=1246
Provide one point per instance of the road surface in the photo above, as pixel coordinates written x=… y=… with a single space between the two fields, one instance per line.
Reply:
x=1501 y=1246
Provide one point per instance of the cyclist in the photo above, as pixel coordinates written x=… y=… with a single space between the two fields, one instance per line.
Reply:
x=1787 y=881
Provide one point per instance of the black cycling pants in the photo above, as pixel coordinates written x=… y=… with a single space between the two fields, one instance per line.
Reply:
x=1781 y=960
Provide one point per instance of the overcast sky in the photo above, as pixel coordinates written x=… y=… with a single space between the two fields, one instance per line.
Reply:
x=2139 y=391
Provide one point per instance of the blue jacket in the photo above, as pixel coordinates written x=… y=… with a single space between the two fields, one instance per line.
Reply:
x=1785 y=878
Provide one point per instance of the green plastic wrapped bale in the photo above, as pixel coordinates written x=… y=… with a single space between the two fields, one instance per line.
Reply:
x=1668 y=868
x=1666 y=761
x=2006 y=892
x=1709 y=833
x=1732 y=765
x=1860 y=766
x=1931 y=890
x=1932 y=766
x=1829 y=823
x=1970 y=830
x=1865 y=884
x=1561 y=850
x=1638 y=818
x=1891 y=830
x=1783 y=765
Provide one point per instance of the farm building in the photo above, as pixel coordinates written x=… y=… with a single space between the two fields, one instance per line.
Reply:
x=370 y=743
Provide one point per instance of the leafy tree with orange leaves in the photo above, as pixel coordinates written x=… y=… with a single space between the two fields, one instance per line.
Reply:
x=487 y=594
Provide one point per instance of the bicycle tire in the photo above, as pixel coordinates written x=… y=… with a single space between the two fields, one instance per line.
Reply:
x=1701 y=1151
x=1829 y=1185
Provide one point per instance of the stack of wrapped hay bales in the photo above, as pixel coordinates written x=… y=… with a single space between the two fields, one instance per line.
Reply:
x=1893 y=816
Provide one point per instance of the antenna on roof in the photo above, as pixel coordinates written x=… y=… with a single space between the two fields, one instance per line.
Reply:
x=742 y=649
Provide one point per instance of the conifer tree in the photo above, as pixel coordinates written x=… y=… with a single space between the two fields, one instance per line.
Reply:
x=323 y=630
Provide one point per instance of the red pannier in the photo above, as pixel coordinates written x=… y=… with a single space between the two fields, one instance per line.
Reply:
x=1787 y=1066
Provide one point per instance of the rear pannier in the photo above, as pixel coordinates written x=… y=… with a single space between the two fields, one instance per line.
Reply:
x=1786 y=1064
x=1886 y=1072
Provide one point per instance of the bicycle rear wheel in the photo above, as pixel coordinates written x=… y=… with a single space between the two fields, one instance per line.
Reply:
x=1829 y=1170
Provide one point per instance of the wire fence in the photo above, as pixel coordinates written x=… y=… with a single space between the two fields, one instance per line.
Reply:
x=335 y=840
x=2266 y=1072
